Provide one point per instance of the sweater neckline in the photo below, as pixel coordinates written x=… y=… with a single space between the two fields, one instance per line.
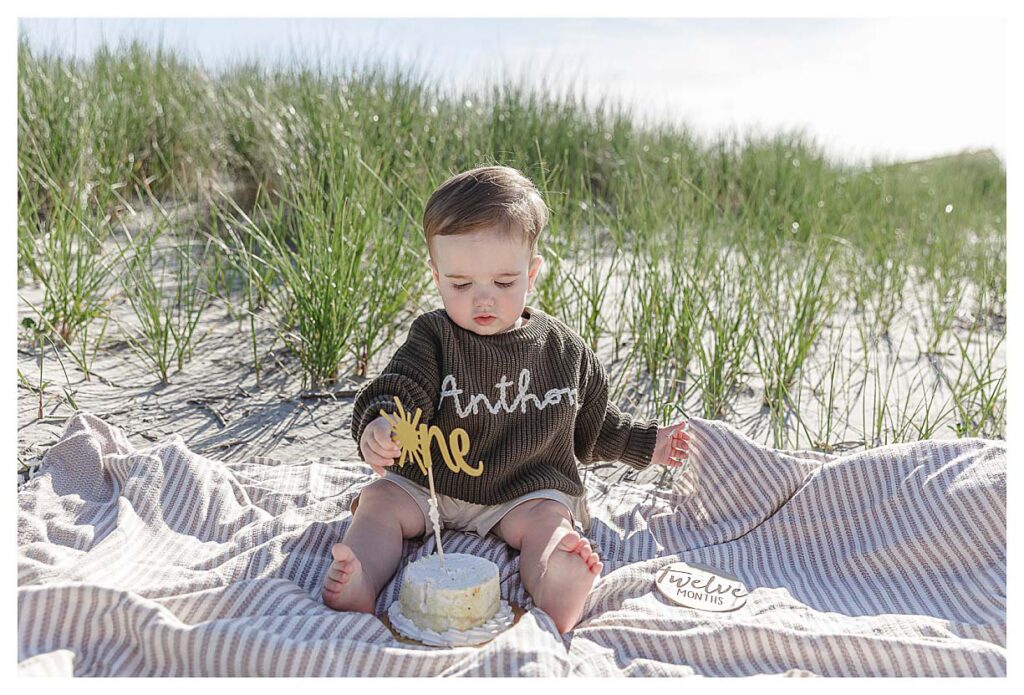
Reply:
x=536 y=327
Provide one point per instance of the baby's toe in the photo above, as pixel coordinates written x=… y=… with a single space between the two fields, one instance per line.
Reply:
x=342 y=553
x=569 y=542
x=339 y=573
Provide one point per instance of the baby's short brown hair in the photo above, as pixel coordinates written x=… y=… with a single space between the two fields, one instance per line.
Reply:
x=488 y=196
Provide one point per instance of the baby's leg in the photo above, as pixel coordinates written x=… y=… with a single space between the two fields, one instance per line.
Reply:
x=558 y=567
x=369 y=553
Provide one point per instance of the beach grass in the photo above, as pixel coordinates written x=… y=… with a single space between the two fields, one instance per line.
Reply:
x=162 y=279
x=748 y=272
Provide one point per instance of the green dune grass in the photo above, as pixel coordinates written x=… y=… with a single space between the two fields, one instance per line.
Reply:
x=717 y=273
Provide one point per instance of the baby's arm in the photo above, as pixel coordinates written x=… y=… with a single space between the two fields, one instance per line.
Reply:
x=413 y=374
x=603 y=432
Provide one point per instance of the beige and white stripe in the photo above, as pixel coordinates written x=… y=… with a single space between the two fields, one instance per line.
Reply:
x=158 y=561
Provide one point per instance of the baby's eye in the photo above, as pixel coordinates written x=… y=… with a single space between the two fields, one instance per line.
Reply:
x=467 y=284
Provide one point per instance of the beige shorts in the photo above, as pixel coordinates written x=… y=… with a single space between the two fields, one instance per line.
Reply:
x=479 y=519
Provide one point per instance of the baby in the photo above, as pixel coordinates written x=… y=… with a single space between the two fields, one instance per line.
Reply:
x=529 y=392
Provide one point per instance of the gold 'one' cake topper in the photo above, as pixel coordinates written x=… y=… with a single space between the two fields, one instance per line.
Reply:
x=415 y=443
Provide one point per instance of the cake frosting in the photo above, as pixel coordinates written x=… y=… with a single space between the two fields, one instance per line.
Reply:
x=463 y=595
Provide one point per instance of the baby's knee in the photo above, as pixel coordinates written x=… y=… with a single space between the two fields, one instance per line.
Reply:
x=550 y=514
x=547 y=520
x=379 y=490
x=386 y=500
x=377 y=497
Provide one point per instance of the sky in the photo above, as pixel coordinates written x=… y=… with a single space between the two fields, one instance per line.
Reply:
x=897 y=88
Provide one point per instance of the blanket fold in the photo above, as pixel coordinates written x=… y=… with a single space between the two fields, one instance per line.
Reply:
x=158 y=561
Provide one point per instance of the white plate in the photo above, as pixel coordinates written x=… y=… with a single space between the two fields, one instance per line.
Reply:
x=501 y=621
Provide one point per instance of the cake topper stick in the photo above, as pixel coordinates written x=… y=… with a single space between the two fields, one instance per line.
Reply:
x=415 y=444
x=434 y=516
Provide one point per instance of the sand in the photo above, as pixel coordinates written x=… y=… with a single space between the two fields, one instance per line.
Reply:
x=214 y=403
x=221 y=412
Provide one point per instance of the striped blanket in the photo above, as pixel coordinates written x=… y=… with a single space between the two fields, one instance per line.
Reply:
x=158 y=561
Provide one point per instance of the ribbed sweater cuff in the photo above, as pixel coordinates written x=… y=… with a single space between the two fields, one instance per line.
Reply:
x=627 y=441
x=640 y=445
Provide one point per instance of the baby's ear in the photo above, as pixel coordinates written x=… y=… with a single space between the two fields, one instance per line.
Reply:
x=535 y=263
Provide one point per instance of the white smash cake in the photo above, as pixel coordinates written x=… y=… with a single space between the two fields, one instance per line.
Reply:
x=462 y=596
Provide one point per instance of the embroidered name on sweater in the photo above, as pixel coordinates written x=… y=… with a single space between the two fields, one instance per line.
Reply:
x=549 y=443
x=449 y=389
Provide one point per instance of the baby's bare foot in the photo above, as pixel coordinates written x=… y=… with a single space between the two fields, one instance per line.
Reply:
x=346 y=586
x=567 y=581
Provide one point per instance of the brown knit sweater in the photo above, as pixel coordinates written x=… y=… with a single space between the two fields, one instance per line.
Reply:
x=533 y=401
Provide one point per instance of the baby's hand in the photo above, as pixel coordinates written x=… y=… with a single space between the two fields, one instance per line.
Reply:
x=379 y=449
x=672 y=446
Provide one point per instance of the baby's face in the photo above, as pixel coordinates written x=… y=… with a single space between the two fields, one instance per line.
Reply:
x=480 y=274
